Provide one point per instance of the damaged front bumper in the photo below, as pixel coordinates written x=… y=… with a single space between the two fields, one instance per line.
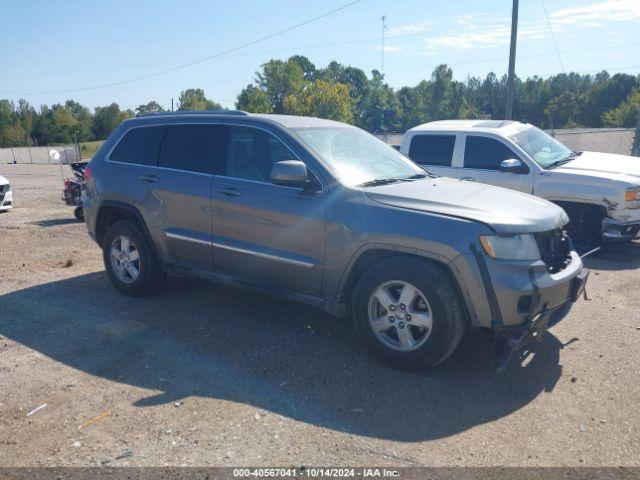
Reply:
x=514 y=340
x=617 y=231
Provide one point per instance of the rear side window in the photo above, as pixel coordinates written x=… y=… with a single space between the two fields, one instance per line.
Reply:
x=139 y=145
x=436 y=150
x=486 y=153
x=191 y=147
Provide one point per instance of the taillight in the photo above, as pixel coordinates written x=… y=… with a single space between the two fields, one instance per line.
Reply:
x=88 y=173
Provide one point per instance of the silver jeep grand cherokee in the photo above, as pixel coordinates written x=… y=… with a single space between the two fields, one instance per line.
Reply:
x=324 y=213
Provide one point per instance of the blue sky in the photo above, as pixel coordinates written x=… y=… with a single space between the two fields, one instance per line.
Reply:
x=67 y=45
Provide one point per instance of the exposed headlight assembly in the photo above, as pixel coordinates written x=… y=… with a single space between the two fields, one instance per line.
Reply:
x=510 y=247
x=632 y=196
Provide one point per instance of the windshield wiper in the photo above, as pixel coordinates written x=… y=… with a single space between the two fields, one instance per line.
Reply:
x=562 y=161
x=416 y=176
x=379 y=181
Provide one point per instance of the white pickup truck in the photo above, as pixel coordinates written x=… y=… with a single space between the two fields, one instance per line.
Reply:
x=599 y=191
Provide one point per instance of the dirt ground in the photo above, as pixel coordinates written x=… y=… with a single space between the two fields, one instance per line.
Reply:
x=205 y=375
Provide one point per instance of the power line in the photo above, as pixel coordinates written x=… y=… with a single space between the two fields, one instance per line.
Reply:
x=170 y=62
x=553 y=35
x=204 y=59
x=535 y=55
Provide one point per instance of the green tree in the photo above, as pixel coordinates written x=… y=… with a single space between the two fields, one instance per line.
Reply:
x=279 y=80
x=195 y=99
x=151 y=107
x=321 y=99
x=15 y=136
x=626 y=114
x=381 y=108
x=106 y=119
x=253 y=99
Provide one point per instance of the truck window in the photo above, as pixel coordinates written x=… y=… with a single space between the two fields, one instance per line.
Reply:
x=485 y=153
x=436 y=150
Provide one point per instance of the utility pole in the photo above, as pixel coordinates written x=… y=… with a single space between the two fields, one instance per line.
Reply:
x=512 y=61
x=384 y=27
x=172 y=104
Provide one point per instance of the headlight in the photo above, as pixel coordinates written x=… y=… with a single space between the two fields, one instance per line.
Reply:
x=512 y=247
x=631 y=195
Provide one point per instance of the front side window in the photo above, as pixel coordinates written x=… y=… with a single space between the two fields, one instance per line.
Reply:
x=251 y=153
x=543 y=148
x=139 y=145
x=486 y=153
x=355 y=156
x=191 y=147
x=436 y=150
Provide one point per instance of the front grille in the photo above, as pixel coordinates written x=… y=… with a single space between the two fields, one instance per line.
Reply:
x=555 y=249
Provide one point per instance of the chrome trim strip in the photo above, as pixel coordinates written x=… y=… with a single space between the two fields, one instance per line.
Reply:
x=186 y=238
x=266 y=256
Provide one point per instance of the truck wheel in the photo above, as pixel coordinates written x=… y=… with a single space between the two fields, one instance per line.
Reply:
x=585 y=225
x=409 y=312
x=130 y=263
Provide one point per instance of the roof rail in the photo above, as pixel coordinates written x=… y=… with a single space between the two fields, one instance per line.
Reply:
x=198 y=112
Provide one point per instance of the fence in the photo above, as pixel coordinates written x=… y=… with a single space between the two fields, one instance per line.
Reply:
x=608 y=140
x=68 y=154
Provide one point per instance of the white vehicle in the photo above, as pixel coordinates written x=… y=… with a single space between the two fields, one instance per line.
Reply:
x=599 y=191
x=6 y=197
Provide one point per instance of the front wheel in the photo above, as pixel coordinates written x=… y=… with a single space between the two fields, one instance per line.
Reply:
x=409 y=312
x=131 y=264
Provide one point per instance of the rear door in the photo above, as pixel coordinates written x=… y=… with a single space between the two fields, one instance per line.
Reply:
x=434 y=151
x=266 y=234
x=181 y=183
x=482 y=158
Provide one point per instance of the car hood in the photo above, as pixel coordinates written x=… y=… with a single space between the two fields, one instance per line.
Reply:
x=505 y=211
x=602 y=164
x=3 y=181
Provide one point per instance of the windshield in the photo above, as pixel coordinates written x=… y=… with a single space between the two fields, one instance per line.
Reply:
x=357 y=157
x=543 y=148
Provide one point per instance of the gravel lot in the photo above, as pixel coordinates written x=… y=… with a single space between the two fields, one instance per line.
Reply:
x=206 y=375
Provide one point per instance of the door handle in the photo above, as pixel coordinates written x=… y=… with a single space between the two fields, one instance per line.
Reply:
x=468 y=179
x=230 y=192
x=149 y=178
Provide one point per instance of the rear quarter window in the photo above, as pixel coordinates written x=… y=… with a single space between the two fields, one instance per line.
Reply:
x=435 y=150
x=139 y=145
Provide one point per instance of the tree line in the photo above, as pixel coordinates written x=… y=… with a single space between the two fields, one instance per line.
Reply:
x=346 y=93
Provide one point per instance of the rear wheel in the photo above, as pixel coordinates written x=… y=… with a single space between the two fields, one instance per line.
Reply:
x=409 y=312
x=130 y=263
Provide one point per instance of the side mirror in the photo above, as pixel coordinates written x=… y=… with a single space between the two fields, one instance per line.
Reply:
x=289 y=173
x=513 y=165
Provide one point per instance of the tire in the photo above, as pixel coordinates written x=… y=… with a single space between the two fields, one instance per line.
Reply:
x=79 y=214
x=437 y=296
x=150 y=276
x=585 y=225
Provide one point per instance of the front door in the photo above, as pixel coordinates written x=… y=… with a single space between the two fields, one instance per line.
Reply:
x=482 y=158
x=265 y=234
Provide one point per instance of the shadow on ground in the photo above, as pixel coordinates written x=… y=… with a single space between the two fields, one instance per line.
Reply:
x=198 y=338
x=622 y=256
x=56 y=222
